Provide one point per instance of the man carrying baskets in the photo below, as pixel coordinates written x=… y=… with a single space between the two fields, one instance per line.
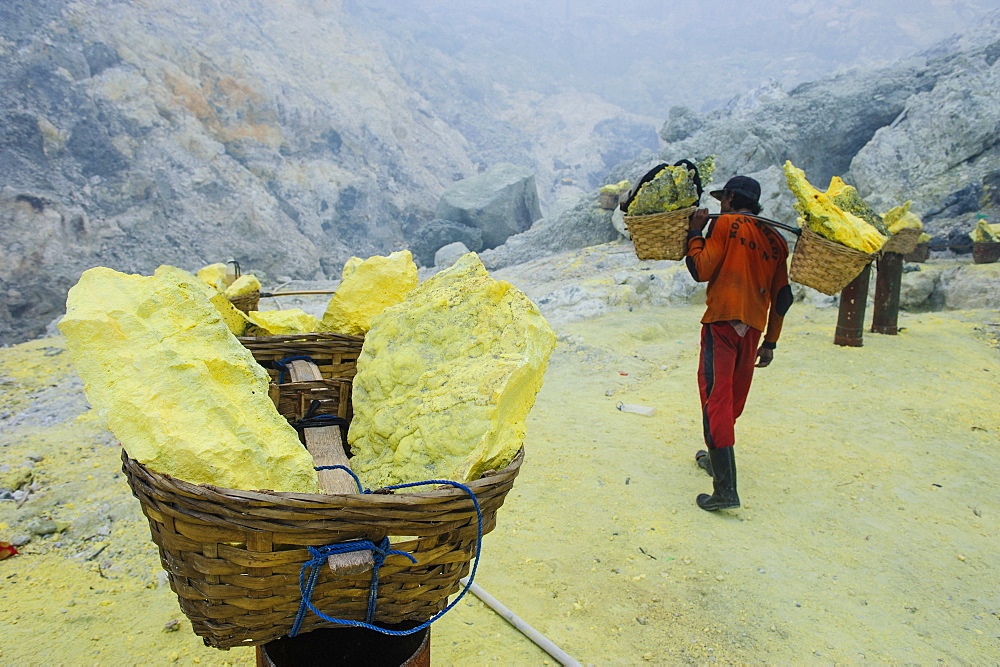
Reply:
x=743 y=259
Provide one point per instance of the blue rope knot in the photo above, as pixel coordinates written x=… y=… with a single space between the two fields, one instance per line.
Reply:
x=307 y=582
x=319 y=557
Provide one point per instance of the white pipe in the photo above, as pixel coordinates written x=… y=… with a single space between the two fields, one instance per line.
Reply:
x=534 y=635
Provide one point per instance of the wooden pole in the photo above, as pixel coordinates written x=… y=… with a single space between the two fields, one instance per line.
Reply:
x=851 y=319
x=327 y=449
x=888 y=280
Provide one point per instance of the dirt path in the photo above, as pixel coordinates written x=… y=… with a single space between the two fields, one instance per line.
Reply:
x=868 y=531
x=869 y=483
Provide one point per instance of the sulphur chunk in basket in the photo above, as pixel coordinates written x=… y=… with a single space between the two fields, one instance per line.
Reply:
x=446 y=379
x=174 y=385
x=366 y=289
x=820 y=213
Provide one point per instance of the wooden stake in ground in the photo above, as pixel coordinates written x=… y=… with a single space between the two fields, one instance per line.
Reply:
x=885 y=309
x=851 y=318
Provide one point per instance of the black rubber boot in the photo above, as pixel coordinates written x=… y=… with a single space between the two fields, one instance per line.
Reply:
x=723 y=481
x=704 y=461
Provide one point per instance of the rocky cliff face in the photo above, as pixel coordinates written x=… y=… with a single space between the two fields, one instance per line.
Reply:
x=277 y=133
x=926 y=129
x=292 y=134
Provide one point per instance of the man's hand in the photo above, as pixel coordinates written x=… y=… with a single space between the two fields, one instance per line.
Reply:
x=698 y=220
x=764 y=357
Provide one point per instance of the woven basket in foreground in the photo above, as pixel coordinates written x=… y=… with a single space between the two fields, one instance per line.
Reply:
x=985 y=252
x=660 y=235
x=903 y=241
x=233 y=557
x=246 y=302
x=824 y=265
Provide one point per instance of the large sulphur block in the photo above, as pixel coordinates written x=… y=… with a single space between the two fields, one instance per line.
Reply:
x=984 y=232
x=672 y=188
x=175 y=387
x=234 y=318
x=822 y=215
x=446 y=379
x=368 y=288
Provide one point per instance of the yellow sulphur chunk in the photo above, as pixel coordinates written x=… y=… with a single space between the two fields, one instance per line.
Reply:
x=367 y=289
x=900 y=217
x=350 y=266
x=824 y=217
x=286 y=322
x=984 y=232
x=234 y=318
x=214 y=275
x=446 y=379
x=182 y=395
x=243 y=285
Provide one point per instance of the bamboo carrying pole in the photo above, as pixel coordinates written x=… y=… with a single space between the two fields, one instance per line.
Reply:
x=327 y=449
x=312 y=291
x=541 y=640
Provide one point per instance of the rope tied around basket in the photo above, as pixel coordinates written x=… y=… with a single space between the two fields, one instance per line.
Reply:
x=379 y=553
x=283 y=368
x=319 y=558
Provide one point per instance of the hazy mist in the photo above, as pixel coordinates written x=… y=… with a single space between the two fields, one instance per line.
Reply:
x=645 y=55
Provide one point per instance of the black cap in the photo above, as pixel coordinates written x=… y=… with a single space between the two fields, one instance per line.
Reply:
x=743 y=185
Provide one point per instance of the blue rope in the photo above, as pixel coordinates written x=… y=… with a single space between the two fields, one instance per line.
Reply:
x=283 y=369
x=319 y=557
x=357 y=480
x=379 y=553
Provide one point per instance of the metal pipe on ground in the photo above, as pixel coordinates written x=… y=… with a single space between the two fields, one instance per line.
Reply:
x=538 y=638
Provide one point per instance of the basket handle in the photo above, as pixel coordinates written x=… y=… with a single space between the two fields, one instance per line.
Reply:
x=774 y=223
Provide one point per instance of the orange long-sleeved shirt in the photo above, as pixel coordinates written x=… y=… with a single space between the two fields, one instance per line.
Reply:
x=744 y=262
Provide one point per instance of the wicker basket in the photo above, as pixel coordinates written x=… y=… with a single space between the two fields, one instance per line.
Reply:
x=920 y=253
x=246 y=302
x=985 y=252
x=316 y=398
x=234 y=557
x=660 y=235
x=336 y=355
x=902 y=242
x=824 y=265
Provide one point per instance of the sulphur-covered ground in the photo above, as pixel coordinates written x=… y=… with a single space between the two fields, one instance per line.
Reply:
x=868 y=532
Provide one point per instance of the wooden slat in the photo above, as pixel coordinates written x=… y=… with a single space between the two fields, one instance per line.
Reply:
x=327 y=449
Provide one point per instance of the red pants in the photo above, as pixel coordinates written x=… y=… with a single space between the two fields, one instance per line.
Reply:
x=724 y=374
